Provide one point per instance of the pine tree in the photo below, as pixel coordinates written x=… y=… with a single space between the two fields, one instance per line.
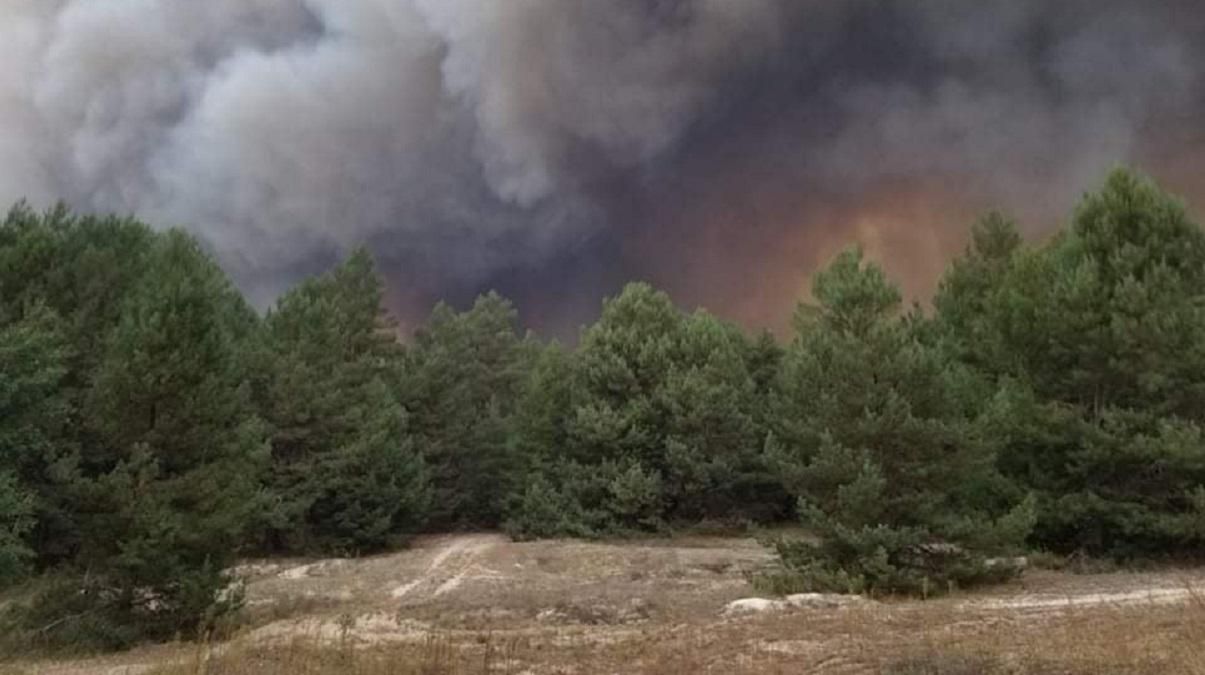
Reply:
x=658 y=425
x=886 y=458
x=79 y=267
x=970 y=286
x=169 y=493
x=712 y=444
x=545 y=402
x=67 y=276
x=16 y=520
x=345 y=473
x=1097 y=350
x=461 y=383
x=37 y=457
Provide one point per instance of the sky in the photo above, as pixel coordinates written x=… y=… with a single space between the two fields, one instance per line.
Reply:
x=556 y=149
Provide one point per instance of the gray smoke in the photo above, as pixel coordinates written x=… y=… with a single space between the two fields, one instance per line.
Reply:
x=474 y=142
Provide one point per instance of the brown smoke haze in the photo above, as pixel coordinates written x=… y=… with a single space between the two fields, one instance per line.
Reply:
x=554 y=149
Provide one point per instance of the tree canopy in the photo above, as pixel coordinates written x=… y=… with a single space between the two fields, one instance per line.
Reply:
x=154 y=427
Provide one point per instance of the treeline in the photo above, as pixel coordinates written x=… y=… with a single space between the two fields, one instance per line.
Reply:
x=153 y=427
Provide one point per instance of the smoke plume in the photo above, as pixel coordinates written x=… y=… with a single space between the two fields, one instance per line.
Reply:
x=555 y=148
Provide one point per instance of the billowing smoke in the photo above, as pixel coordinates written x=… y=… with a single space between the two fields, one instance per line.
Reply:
x=554 y=148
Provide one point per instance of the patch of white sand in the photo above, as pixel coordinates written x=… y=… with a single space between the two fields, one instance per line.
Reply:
x=1151 y=596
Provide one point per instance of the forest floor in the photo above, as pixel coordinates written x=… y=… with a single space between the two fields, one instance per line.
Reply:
x=480 y=603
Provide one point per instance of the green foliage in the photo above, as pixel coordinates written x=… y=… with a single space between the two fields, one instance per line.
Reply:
x=963 y=296
x=345 y=475
x=167 y=496
x=1095 y=344
x=63 y=281
x=37 y=461
x=658 y=424
x=576 y=500
x=462 y=379
x=545 y=402
x=543 y=510
x=152 y=427
x=16 y=519
x=893 y=473
x=79 y=267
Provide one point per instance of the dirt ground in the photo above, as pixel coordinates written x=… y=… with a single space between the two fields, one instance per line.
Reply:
x=553 y=604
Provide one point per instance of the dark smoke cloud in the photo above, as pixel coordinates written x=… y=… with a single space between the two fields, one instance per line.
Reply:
x=555 y=148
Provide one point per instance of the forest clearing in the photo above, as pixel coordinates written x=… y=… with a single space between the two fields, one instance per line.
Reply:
x=480 y=603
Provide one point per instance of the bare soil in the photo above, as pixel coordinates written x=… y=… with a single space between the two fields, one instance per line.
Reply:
x=649 y=603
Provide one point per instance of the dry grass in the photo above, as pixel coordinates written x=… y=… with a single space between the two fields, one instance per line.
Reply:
x=899 y=639
x=553 y=608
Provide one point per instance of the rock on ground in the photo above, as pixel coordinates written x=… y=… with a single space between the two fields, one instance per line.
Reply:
x=797 y=601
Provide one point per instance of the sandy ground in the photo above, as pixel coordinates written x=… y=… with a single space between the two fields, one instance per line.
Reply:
x=569 y=592
x=479 y=581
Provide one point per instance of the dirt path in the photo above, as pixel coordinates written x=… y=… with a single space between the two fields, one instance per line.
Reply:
x=1050 y=602
x=452 y=563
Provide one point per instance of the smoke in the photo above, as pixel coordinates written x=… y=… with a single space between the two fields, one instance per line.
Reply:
x=554 y=148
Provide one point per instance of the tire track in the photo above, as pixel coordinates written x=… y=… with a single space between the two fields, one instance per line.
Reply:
x=449 y=568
